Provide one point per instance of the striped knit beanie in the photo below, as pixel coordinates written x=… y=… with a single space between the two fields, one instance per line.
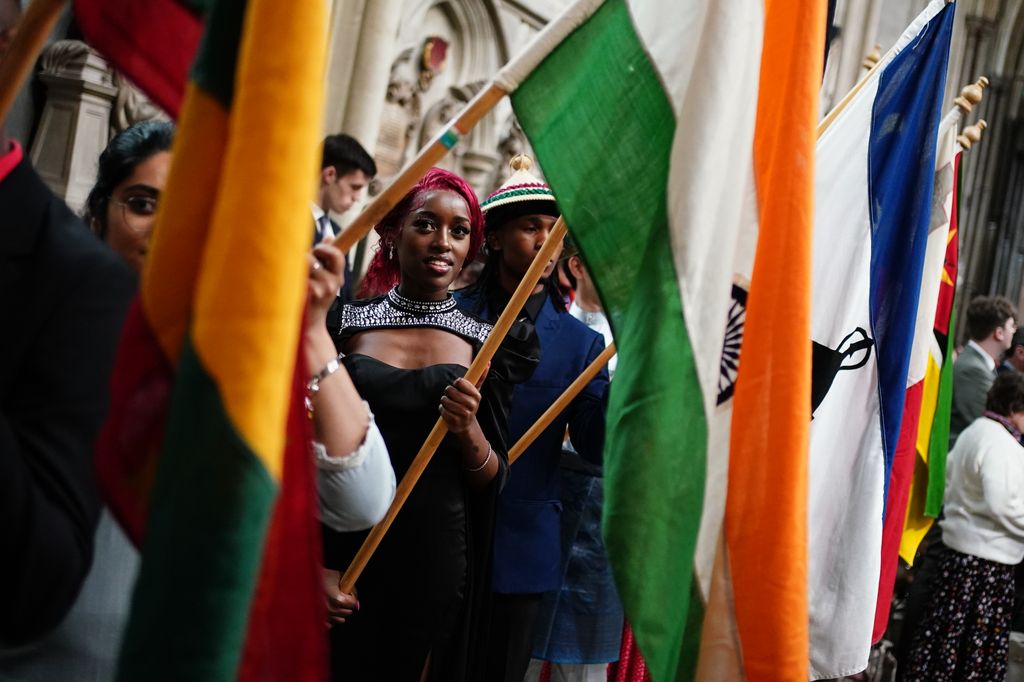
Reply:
x=522 y=194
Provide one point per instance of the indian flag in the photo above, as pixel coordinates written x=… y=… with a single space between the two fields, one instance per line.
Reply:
x=229 y=585
x=875 y=180
x=679 y=140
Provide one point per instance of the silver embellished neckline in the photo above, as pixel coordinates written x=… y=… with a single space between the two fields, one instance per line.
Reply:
x=408 y=305
x=394 y=311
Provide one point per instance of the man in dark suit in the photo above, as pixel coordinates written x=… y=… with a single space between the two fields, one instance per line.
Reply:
x=527 y=541
x=1013 y=359
x=345 y=172
x=64 y=297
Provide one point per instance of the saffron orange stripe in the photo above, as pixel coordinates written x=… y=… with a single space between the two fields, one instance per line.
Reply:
x=175 y=251
x=251 y=294
x=766 y=508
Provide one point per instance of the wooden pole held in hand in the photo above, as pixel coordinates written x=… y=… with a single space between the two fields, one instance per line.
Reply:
x=559 y=405
x=33 y=29
x=473 y=375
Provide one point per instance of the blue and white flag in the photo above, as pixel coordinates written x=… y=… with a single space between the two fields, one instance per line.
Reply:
x=873 y=181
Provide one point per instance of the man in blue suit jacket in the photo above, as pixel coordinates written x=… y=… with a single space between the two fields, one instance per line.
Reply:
x=527 y=549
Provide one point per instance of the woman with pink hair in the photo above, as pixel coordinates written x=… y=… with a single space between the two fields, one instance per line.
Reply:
x=422 y=595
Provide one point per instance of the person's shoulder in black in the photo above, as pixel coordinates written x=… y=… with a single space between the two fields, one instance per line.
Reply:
x=64 y=297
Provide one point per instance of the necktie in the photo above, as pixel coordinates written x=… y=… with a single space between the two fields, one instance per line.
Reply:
x=323 y=228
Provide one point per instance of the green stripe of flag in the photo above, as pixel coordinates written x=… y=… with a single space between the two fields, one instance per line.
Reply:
x=217 y=59
x=938 y=442
x=602 y=128
x=210 y=509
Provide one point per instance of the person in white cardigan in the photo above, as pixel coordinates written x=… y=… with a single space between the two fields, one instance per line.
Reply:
x=355 y=480
x=966 y=626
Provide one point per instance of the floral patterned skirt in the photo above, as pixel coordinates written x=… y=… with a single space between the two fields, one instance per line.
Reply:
x=965 y=632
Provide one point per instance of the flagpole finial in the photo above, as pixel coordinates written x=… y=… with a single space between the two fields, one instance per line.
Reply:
x=971 y=94
x=971 y=134
x=520 y=162
x=873 y=57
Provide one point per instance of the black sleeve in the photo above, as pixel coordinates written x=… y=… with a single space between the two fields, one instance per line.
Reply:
x=54 y=397
x=587 y=411
x=334 y=320
x=514 y=363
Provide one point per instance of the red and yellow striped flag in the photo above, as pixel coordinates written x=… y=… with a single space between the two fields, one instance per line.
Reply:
x=230 y=562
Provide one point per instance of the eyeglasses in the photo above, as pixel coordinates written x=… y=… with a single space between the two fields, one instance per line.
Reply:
x=138 y=212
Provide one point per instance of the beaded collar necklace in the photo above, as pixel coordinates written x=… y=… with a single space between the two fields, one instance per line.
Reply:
x=408 y=305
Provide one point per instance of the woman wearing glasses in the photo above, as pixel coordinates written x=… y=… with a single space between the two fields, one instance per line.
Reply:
x=121 y=207
x=355 y=480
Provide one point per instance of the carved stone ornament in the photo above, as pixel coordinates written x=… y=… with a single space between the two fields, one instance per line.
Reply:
x=131 y=106
x=76 y=60
x=399 y=117
x=402 y=87
x=435 y=51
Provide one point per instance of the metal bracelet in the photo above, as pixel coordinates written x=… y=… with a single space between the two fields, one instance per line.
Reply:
x=313 y=385
x=490 y=453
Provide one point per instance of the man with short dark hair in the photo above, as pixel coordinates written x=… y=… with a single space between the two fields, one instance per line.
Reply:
x=345 y=171
x=991 y=324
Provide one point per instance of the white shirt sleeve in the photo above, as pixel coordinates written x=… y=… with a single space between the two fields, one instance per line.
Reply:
x=355 y=490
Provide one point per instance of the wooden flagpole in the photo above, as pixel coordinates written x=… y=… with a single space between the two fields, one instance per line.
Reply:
x=559 y=405
x=473 y=375
x=33 y=29
x=842 y=104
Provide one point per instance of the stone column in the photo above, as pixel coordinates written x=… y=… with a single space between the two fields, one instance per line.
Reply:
x=75 y=123
x=367 y=88
x=346 y=23
x=371 y=69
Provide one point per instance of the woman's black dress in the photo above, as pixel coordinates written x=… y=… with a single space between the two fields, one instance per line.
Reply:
x=424 y=590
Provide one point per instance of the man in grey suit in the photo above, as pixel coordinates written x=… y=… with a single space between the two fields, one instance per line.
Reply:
x=991 y=324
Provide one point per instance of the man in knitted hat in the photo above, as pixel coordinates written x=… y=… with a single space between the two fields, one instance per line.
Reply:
x=527 y=563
